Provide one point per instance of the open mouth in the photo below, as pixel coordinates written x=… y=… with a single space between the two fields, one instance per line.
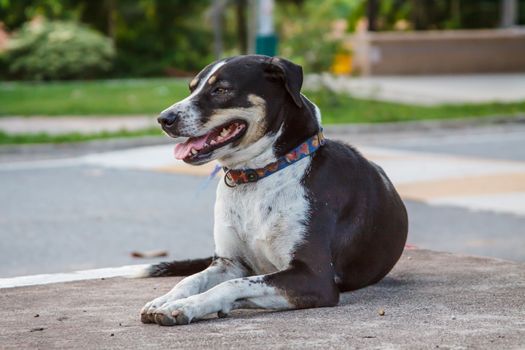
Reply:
x=200 y=147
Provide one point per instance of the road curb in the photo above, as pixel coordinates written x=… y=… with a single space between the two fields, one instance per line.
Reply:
x=422 y=125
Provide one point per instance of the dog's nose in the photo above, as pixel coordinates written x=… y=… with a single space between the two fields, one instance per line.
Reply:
x=166 y=119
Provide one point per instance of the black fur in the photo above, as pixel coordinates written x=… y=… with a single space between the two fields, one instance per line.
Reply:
x=178 y=268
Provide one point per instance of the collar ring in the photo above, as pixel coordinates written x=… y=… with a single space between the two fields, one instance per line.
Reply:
x=228 y=180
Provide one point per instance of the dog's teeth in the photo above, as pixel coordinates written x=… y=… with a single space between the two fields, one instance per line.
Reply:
x=224 y=132
x=212 y=142
x=193 y=151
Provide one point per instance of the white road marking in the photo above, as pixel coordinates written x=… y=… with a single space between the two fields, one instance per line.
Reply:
x=513 y=203
x=41 y=164
x=34 y=280
x=136 y=158
x=412 y=166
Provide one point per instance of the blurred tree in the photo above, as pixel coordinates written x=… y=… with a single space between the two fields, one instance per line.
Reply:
x=372 y=8
x=241 y=6
x=14 y=13
x=44 y=50
x=152 y=37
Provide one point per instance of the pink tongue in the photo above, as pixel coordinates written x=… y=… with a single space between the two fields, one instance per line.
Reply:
x=182 y=150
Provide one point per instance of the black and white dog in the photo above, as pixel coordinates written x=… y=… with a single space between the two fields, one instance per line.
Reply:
x=298 y=219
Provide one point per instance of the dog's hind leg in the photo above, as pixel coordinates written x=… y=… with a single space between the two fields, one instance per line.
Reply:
x=219 y=271
x=294 y=288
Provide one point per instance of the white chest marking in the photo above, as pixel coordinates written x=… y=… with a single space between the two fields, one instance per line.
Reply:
x=263 y=222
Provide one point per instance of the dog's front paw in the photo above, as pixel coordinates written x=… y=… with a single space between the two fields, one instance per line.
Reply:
x=147 y=314
x=180 y=312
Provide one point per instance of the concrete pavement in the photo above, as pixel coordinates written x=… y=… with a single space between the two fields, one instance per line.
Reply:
x=430 y=300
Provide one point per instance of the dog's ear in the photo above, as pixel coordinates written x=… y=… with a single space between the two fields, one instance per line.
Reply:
x=289 y=73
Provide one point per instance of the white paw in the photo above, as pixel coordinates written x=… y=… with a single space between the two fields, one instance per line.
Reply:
x=147 y=314
x=183 y=311
x=179 y=312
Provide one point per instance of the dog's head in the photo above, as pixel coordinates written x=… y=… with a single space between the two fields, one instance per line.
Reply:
x=235 y=106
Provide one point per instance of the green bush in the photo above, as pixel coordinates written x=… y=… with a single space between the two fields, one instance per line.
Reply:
x=58 y=50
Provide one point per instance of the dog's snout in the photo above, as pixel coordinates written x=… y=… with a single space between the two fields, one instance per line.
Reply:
x=167 y=119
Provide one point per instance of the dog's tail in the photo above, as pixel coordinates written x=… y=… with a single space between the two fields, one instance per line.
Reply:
x=175 y=268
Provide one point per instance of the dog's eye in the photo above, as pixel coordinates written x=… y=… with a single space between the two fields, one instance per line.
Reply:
x=220 y=91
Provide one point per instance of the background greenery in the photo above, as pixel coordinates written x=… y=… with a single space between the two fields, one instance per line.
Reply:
x=58 y=50
x=174 y=37
x=151 y=37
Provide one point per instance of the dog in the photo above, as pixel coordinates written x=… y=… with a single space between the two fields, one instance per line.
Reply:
x=298 y=218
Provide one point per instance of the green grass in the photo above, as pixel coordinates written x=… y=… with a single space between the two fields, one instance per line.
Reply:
x=107 y=97
x=150 y=96
x=338 y=109
x=21 y=139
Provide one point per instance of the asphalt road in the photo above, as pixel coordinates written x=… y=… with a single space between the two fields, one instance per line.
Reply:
x=70 y=217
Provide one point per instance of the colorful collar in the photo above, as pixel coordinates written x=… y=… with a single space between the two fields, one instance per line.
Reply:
x=234 y=177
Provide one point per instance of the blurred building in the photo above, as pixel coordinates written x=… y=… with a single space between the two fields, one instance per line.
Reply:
x=439 y=52
x=493 y=50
